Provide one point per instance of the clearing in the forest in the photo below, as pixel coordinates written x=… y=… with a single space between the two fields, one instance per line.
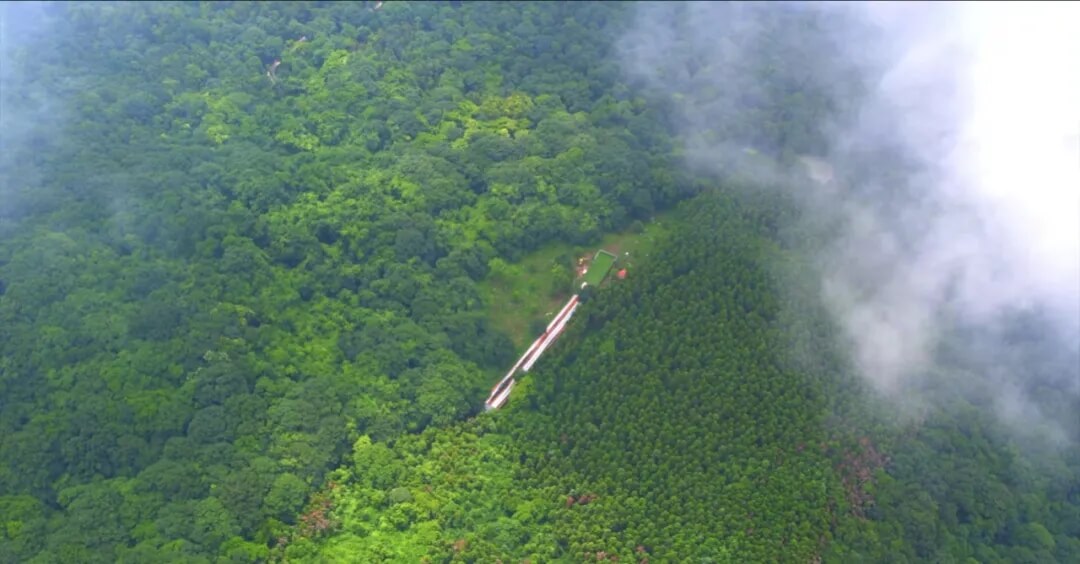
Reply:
x=598 y=270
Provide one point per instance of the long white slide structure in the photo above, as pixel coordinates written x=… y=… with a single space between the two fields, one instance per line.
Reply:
x=501 y=392
x=549 y=338
x=501 y=397
x=561 y=316
x=510 y=375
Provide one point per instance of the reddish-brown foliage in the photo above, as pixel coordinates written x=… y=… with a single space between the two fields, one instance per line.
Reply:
x=857 y=471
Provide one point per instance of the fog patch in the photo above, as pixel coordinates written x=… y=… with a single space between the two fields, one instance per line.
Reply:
x=938 y=145
x=30 y=117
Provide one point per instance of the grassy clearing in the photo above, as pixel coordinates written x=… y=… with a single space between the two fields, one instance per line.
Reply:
x=523 y=297
x=518 y=294
x=598 y=270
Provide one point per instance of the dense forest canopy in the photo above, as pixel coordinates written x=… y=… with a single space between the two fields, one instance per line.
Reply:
x=241 y=255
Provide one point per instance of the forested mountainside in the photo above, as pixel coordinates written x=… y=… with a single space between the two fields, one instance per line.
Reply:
x=672 y=424
x=219 y=270
x=241 y=248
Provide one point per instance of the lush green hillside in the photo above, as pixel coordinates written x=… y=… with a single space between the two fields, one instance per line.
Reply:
x=252 y=265
x=673 y=422
x=214 y=279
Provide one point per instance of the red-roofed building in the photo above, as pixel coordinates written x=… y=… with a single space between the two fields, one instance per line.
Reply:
x=621 y=274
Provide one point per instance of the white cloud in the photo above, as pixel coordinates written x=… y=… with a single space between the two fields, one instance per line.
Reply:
x=981 y=100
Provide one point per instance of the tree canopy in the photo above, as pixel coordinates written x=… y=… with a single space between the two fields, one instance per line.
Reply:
x=243 y=249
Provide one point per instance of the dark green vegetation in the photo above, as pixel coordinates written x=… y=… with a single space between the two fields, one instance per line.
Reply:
x=672 y=425
x=671 y=422
x=214 y=282
x=247 y=316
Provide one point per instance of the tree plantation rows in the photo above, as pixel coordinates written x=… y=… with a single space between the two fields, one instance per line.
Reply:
x=672 y=423
x=243 y=257
x=676 y=414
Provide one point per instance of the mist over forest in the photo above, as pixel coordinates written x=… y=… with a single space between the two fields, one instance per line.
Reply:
x=923 y=244
x=260 y=263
